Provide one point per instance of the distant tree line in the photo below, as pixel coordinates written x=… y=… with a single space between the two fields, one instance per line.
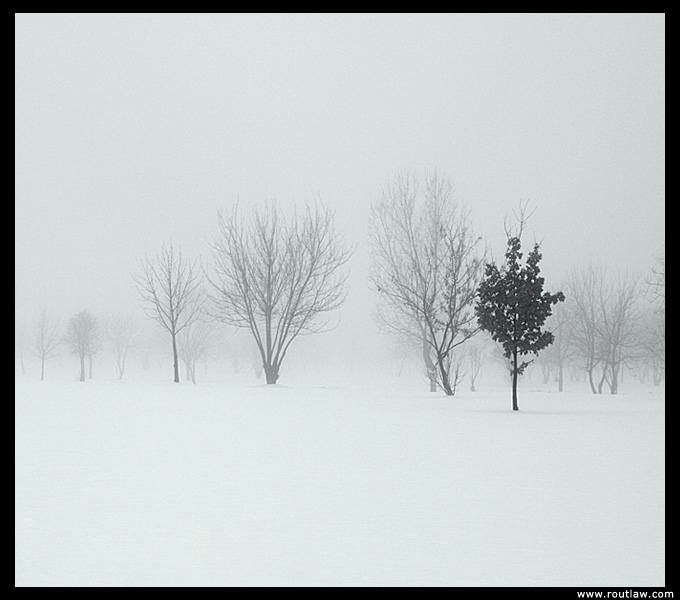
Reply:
x=277 y=277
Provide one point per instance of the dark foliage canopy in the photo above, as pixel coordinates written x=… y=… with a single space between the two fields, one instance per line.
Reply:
x=512 y=306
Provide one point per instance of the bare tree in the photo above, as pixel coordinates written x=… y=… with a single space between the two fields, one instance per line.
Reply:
x=656 y=281
x=172 y=294
x=655 y=332
x=82 y=336
x=561 y=351
x=583 y=293
x=278 y=278
x=45 y=339
x=20 y=344
x=194 y=344
x=620 y=326
x=605 y=327
x=122 y=330
x=426 y=269
x=475 y=352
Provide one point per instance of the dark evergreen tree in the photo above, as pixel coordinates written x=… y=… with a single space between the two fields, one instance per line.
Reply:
x=512 y=307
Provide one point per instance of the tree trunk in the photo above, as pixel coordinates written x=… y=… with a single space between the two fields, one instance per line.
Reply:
x=514 y=381
x=590 y=380
x=445 y=382
x=433 y=381
x=614 y=384
x=604 y=377
x=560 y=378
x=82 y=367
x=430 y=367
x=174 y=357
x=42 y=369
x=271 y=373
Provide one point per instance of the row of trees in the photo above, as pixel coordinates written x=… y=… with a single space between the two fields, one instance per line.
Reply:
x=279 y=278
x=83 y=336
x=116 y=337
x=609 y=322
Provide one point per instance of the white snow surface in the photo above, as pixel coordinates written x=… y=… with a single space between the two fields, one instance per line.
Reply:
x=352 y=480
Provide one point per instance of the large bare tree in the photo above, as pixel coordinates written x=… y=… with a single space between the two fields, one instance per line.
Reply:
x=426 y=269
x=171 y=289
x=277 y=277
x=45 y=339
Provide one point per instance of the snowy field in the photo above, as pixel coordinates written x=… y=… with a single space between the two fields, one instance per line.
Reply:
x=352 y=480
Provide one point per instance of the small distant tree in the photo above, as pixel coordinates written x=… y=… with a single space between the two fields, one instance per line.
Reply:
x=122 y=330
x=621 y=333
x=561 y=351
x=45 y=339
x=171 y=288
x=655 y=332
x=82 y=336
x=474 y=353
x=20 y=344
x=605 y=324
x=513 y=307
x=194 y=344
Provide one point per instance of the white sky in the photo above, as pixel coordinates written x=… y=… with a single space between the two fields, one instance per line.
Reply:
x=132 y=129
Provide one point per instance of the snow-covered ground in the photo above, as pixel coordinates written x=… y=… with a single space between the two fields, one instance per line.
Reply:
x=352 y=479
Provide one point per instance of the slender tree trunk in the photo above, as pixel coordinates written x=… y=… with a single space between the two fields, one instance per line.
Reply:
x=121 y=364
x=430 y=367
x=602 y=380
x=590 y=380
x=175 y=360
x=614 y=385
x=514 y=381
x=446 y=383
x=42 y=368
x=82 y=367
x=560 y=377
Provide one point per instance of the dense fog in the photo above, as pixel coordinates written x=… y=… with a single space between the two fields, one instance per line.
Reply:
x=134 y=130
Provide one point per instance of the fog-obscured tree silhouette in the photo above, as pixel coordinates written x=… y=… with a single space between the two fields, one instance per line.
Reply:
x=82 y=337
x=426 y=266
x=45 y=339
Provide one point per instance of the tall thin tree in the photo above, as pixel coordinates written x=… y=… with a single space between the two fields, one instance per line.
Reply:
x=171 y=289
x=82 y=337
x=45 y=339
